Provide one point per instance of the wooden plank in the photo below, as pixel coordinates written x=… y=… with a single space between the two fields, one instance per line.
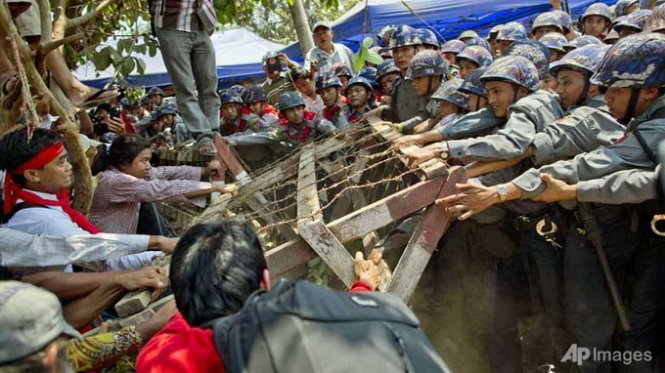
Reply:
x=230 y=160
x=297 y=252
x=133 y=302
x=329 y=248
x=307 y=195
x=215 y=211
x=422 y=244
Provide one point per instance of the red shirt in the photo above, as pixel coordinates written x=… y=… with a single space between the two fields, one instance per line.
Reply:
x=180 y=348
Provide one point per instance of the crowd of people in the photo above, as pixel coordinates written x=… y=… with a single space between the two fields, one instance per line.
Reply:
x=558 y=123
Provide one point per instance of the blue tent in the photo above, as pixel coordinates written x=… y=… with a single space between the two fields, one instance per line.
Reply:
x=447 y=18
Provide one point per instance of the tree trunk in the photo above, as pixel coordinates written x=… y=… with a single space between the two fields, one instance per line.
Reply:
x=302 y=26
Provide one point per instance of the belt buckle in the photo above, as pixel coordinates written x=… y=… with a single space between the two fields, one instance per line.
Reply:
x=654 y=222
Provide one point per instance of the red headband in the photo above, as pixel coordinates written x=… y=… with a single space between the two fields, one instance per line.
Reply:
x=41 y=159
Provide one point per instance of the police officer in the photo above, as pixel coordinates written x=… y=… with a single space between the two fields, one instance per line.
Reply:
x=555 y=42
x=360 y=96
x=546 y=23
x=329 y=87
x=231 y=116
x=446 y=105
x=472 y=58
x=257 y=113
x=156 y=96
x=509 y=33
x=451 y=49
x=596 y=20
x=634 y=97
x=386 y=75
x=168 y=115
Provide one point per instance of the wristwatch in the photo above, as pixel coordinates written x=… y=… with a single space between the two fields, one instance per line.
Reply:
x=502 y=191
x=444 y=151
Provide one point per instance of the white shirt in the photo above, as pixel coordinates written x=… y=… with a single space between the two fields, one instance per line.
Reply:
x=341 y=54
x=52 y=220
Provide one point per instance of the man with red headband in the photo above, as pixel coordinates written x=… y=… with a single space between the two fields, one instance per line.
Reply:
x=36 y=190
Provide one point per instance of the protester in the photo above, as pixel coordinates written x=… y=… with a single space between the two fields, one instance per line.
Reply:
x=302 y=80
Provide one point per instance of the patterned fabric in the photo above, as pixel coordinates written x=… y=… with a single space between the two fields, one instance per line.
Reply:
x=656 y=22
x=476 y=54
x=449 y=91
x=359 y=80
x=548 y=19
x=564 y=20
x=586 y=58
x=554 y=41
x=228 y=97
x=533 y=51
x=621 y=6
x=426 y=63
x=582 y=41
x=275 y=88
x=512 y=31
x=405 y=35
x=385 y=68
x=116 y=201
x=183 y=15
x=103 y=350
x=476 y=40
x=635 y=20
x=494 y=31
x=290 y=100
x=453 y=46
x=369 y=73
x=635 y=61
x=427 y=37
x=472 y=83
x=514 y=69
x=327 y=80
x=254 y=94
x=597 y=9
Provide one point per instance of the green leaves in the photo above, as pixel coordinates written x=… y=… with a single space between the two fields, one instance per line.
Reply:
x=366 y=55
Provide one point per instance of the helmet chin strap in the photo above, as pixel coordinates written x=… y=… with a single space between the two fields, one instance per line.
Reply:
x=585 y=93
x=630 y=109
x=429 y=86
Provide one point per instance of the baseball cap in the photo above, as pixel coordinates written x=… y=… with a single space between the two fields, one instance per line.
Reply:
x=30 y=319
x=324 y=24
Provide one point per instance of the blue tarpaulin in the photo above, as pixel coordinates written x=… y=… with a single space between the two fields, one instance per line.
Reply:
x=447 y=17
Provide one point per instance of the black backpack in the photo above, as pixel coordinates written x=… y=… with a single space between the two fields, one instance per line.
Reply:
x=302 y=327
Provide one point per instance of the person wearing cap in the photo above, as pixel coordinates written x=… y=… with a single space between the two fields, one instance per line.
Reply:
x=231 y=116
x=451 y=49
x=156 y=96
x=405 y=103
x=509 y=33
x=35 y=337
x=555 y=42
x=538 y=54
x=633 y=23
x=257 y=113
x=306 y=88
x=494 y=44
x=167 y=113
x=344 y=74
x=472 y=58
x=466 y=35
x=625 y=7
x=596 y=20
x=329 y=88
x=428 y=39
x=386 y=75
x=327 y=55
x=277 y=82
x=147 y=107
x=360 y=96
x=445 y=106
x=634 y=97
x=546 y=23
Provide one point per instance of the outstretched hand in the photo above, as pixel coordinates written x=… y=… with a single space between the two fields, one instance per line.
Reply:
x=471 y=199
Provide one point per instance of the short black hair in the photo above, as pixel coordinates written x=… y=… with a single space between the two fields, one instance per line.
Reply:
x=16 y=149
x=122 y=151
x=215 y=268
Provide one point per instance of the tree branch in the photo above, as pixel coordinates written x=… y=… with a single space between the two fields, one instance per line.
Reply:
x=44 y=49
x=85 y=18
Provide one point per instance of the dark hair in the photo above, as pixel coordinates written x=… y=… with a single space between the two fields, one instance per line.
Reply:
x=15 y=149
x=215 y=268
x=122 y=151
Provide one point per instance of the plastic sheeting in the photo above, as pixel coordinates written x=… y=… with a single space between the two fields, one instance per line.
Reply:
x=238 y=54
